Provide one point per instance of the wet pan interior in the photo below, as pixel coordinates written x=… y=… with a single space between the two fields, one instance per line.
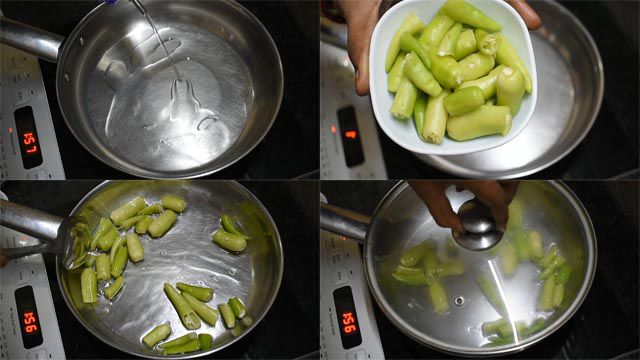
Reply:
x=184 y=254
x=118 y=91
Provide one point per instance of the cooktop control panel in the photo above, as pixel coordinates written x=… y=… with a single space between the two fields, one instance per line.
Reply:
x=348 y=328
x=28 y=144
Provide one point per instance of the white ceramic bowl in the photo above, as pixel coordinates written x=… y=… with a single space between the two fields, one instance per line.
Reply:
x=404 y=132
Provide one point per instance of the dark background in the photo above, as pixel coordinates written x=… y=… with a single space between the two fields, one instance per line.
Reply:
x=605 y=326
x=612 y=146
x=291 y=327
x=290 y=148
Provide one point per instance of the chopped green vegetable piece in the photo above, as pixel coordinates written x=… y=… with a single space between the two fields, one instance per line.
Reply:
x=134 y=247
x=188 y=337
x=534 y=242
x=201 y=293
x=229 y=241
x=546 y=295
x=104 y=226
x=191 y=346
x=186 y=313
x=246 y=321
x=520 y=242
x=551 y=269
x=416 y=279
x=127 y=224
x=162 y=223
x=411 y=24
x=127 y=210
x=507 y=55
x=206 y=341
x=413 y=255
x=156 y=335
x=466 y=45
x=486 y=120
x=227 y=315
x=114 y=248
x=563 y=274
x=536 y=325
x=487 y=44
x=228 y=225
x=236 y=331
x=238 y=307
x=434 y=32
x=119 y=262
x=405 y=100
x=508 y=258
x=209 y=315
x=151 y=209
x=510 y=89
x=438 y=298
x=507 y=329
x=174 y=203
x=448 y=44
x=103 y=267
x=405 y=270
x=492 y=327
x=548 y=258
x=90 y=261
x=143 y=224
x=450 y=268
x=558 y=295
x=114 y=288
x=89 y=285
x=490 y=290
x=106 y=241
x=395 y=75
x=475 y=66
x=468 y=14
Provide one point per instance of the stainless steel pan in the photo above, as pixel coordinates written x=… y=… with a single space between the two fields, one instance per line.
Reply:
x=401 y=221
x=184 y=254
x=115 y=84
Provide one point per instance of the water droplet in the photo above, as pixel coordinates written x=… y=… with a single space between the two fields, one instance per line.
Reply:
x=163 y=253
x=232 y=271
x=205 y=123
x=81 y=41
x=66 y=77
x=188 y=58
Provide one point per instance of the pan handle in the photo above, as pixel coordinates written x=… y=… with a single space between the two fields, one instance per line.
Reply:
x=344 y=222
x=38 y=42
x=31 y=222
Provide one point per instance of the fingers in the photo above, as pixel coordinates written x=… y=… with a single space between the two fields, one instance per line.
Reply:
x=433 y=195
x=510 y=187
x=530 y=17
x=359 y=41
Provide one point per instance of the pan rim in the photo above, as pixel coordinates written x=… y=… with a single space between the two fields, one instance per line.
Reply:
x=128 y=167
x=428 y=341
x=257 y=320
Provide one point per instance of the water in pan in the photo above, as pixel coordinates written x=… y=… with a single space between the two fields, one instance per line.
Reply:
x=152 y=118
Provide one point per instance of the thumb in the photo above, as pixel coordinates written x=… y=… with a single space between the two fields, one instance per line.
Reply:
x=360 y=32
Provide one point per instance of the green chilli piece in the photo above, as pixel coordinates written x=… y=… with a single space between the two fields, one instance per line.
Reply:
x=191 y=346
x=515 y=214
x=143 y=224
x=562 y=277
x=510 y=89
x=413 y=255
x=114 y=288
x=434 y=32
x=438 y=298
x=420 y=76
x=549 y=256
x=506 y=330
x=508 y=258
x=536 y=326
x=227 y=315
x=419 y=110
x=435 y=119
x=520 y=242
x=209 y=315
x=466 y=45
x=486 y=83
x=546 y=295
x=508 y=56
x=430 y=263
x=231 y=242
x=487 y=44
x=127 y=224
x=89 y=286
x=186 y=313
x=119 y=262
x=199 y=292
x=405 y=99
x=449 y=268
x=460 y=10
x=91 y=260
x=246 y=321
x=415 y=279
x=114 y=248
x=151 y=209
x=173 y=202
x=186 y=338
x=446 y=70
x=476 y=66
x=127 y=210
x=134 y=247
x=104 y=226
x=411 y=25
x=103 y=267
x=464 y=101
x=162 y=223
x=396 y=73
x=448 y=44
x=534 y=243
x=237 y=307
x=236 y=331
x=490 y=290
x=492 y=327
x=409 y=44
x=206 y=342
x=156 y=335
x=557 y=261
x=228 y=225
x=486 y=120
x=407 y=270
x=106 y=240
